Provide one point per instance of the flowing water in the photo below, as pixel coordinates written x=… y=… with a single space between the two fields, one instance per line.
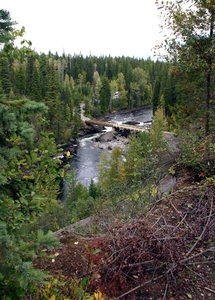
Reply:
x=88 y=154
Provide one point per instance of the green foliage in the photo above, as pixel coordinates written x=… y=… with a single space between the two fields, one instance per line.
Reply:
x=105 y=95
x=138 y=86
x=63 y=82
x=159 y=125
x=79 y=200
x=190 y=49
x=6 y=26
x=47 y=240
x=197 y=153
x=29 y=180
x=5 y=73
x=93 y=191
x=36 y=91
x=111 y=173
x=69 y=288
x=17 y=275
x=137 y=175
x=29 y=183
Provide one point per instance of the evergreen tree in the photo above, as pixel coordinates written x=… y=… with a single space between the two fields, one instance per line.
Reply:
x=76 y=114
x=36 y=84
x=93 y=189
x=122 y=91
x=111 y=173
x=169 y=94
x=5 y=73
x=24 y=187
x=191 y=52
x=6 y=26
x=43 y=62
x=21 y=78
x=29 y=73
x=29 y=178
x=52 y=97
x=156 y=95
x=113 y=91
x=105 y=95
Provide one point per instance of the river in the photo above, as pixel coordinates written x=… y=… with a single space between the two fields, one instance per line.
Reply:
x=88 y=153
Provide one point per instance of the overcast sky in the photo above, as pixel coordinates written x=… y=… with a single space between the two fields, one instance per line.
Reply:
x=99 y=27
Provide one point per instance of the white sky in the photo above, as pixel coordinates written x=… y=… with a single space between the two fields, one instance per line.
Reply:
x=99 y=27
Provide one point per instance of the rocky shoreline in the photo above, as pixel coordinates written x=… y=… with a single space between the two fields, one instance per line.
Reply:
x=108 y=139
x=112 y=139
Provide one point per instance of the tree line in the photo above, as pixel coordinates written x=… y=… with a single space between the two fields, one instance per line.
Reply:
x=103 y=84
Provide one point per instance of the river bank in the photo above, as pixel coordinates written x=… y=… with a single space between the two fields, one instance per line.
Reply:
x=93 y=139
x=114 y=138
x=123 y=111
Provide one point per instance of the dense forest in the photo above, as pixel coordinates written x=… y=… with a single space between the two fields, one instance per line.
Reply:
x=103 y=84
x=40 y=111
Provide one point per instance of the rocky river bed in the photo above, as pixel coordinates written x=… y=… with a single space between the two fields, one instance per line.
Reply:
x=94 y=139
x=112 y=139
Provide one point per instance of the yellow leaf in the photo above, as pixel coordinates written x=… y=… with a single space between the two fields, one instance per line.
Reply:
x=68 y=153
x=189 y=296
x=52 y=297
x=153 y=191
x=98 y=295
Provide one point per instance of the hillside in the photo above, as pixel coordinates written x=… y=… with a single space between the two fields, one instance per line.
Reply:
x=166 y=253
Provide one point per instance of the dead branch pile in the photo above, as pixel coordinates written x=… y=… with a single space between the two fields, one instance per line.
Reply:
x=171 y=248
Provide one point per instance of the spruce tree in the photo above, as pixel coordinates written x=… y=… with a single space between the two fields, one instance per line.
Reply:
x=52 y=96
x=29 y=180
x=36 y=84
x=6 y=26
x=5 y=73
x=156 y=95
x=29 y=73
x=21 y=79
x=105 y=95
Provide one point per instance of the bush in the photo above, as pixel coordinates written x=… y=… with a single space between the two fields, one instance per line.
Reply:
x=197 y=152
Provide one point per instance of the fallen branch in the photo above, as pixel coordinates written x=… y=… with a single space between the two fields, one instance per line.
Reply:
x=139 y=286
x=210 y=290
x=205 y=227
